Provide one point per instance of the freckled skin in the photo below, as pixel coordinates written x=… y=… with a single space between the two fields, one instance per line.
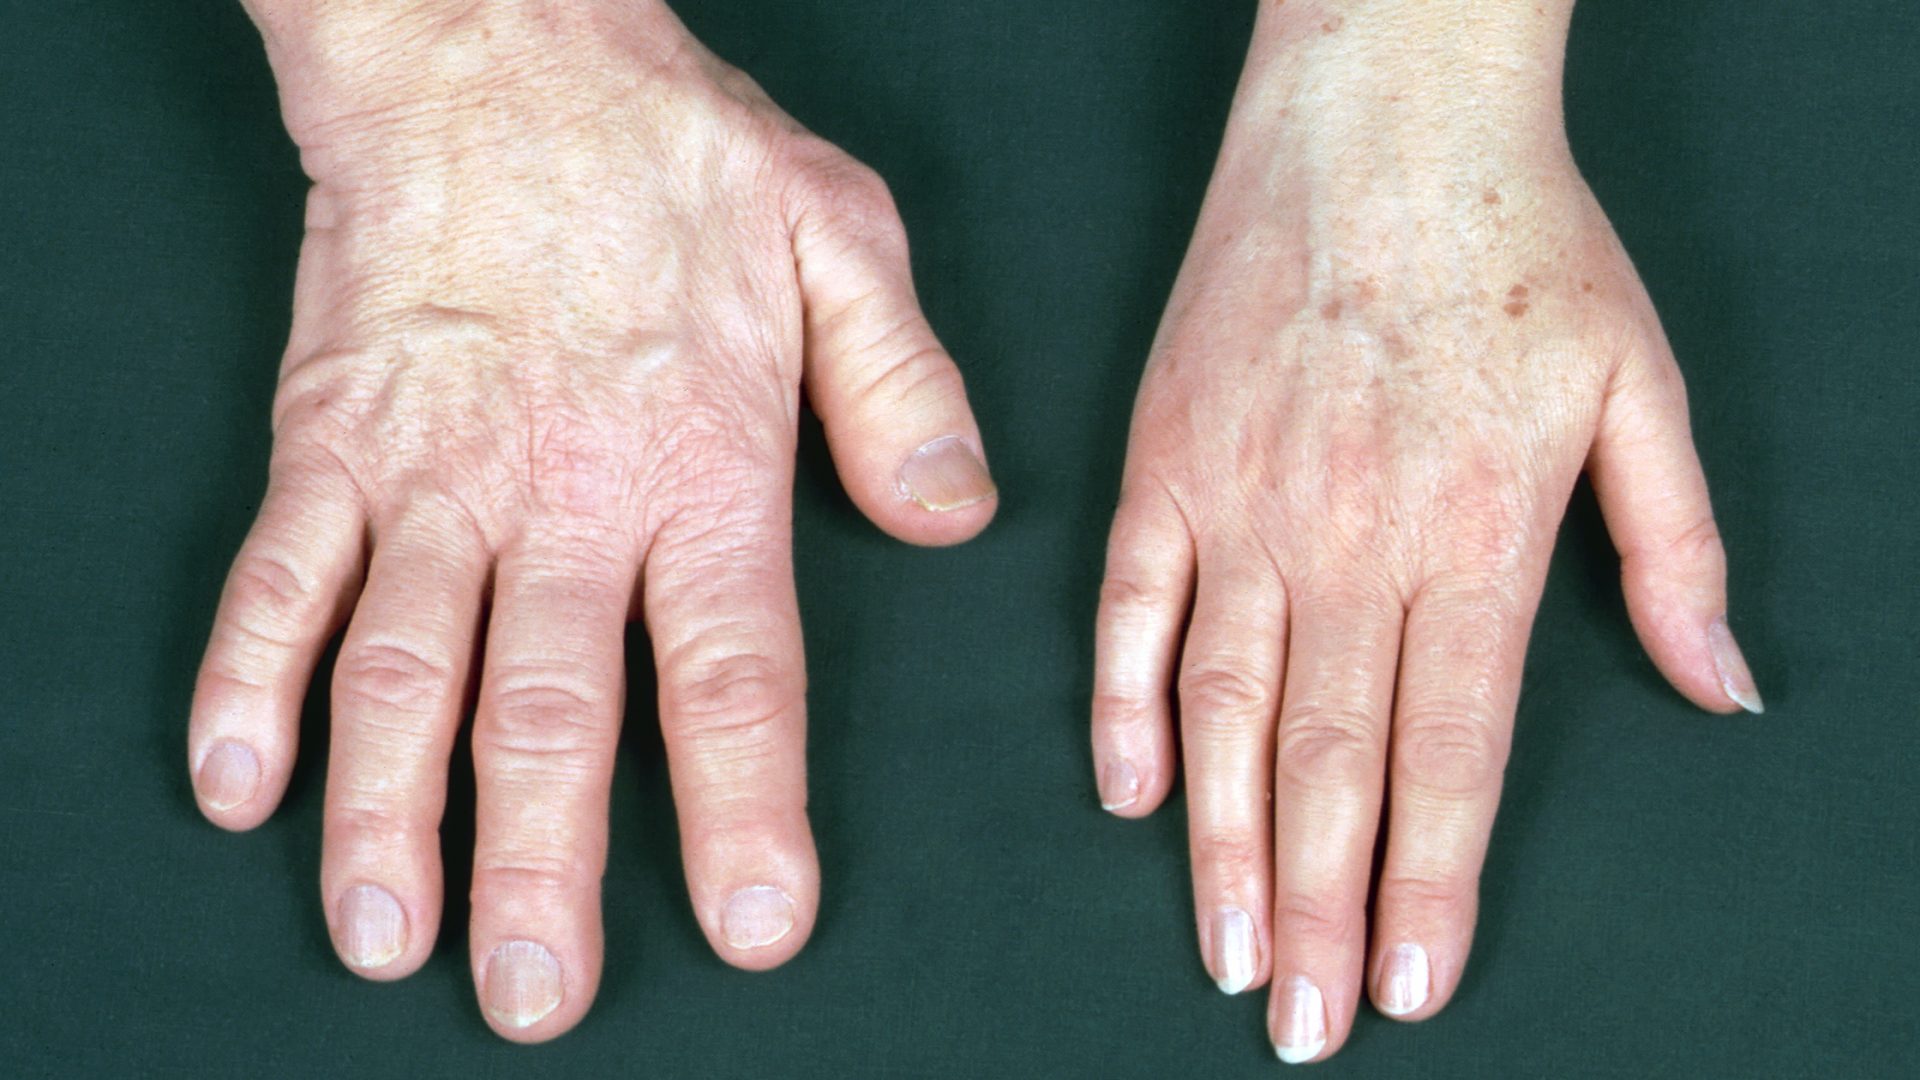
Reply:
x=1324 y=564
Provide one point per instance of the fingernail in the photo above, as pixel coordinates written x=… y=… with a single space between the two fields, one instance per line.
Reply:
x=1119 y=785
x=1303 y=1022
x=1404 y=979
x=945 y=475
x=1735 y=679
x=755 y=916
x=1233 y=950
x=229 y=774
x=523 y=984
x=373 y=927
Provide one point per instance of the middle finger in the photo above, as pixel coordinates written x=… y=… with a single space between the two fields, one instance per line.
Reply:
x=1329 y=763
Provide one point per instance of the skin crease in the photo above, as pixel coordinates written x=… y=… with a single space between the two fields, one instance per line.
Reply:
x=564 y=279
x=1403 y=328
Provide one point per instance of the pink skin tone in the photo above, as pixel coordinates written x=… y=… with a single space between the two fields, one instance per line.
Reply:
x=564 y=280
x=1403 y=328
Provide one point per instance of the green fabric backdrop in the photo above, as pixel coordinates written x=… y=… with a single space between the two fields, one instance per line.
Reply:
x=1668 y=894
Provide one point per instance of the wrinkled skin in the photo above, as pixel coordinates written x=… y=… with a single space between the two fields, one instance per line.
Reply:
x=563 y=281
x=1402 y=329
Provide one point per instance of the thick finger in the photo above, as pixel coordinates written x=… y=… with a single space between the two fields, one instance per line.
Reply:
x=1329 y=765
x=1673 y=569
x=289 y=589
x=725 y=625
x=398 y=689
x=893 y=403
x=1143 y=607
x=1229 y=696
x=1453 y=721
x=544 y=734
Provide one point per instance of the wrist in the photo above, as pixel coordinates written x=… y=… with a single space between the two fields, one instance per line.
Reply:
x=1347 y=69
x=373 y=60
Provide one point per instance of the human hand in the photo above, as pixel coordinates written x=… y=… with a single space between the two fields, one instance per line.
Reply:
x=565 y=274
x=1403 y=327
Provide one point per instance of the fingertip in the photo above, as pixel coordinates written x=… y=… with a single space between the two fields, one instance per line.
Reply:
x=232 y=786
x=528 y=994
x=1403 y=984
x=941 y=494
x=375 y=935
x=760 y=926
x=1697 y=655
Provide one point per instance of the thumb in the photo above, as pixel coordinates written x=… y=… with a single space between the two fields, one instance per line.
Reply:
x=895 y=409
x=1673 y=569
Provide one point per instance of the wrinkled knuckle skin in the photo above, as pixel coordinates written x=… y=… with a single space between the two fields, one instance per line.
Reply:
x=526 y=873
x=271 y=600
x=738 y=693
x=1321 y=747
x=543 y=726
x=368 y=823
x=1697 y=544
x=915 y=371
x=1449 y=754
x=394 y=676
x=1218 y=695
x=1119 y=709
x=1232 y=860
x=1438 y=897
x=1298 y=916
x=851 y=194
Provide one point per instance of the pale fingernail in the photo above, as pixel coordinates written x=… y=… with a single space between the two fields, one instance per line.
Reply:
x=1735 y=679
x=229 y=774
x=1233 y=950
x=755 y=916
x=373 y=927
x=1302 y=1031
x=523 y=983
x=1404 y=979
x=1119 y=785
x=945 y=474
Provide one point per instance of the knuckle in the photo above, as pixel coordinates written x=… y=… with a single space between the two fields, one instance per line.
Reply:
x=1320 y=745
x=1213 y=694
x=394 y=675
x=1449 y=753
x=716 y=692
x=916 y=368
x=1427 y=892
x=536 y=718
x=852 y=194
x=1697 y=543
x=370 y=821
x=526 y=873
x=269 y=598
x=1228 y=856
x=1298 y=915
x=1125 y=596
x=1113 y=707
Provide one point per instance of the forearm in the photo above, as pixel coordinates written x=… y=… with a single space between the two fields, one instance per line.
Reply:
x=362 y=58
x=1350 y=66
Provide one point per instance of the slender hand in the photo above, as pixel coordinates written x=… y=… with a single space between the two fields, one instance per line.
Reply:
x=564 y=277
x=1402 y=329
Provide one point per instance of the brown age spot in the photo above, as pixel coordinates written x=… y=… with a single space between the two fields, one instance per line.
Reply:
x=1516 y=309
x=1516 y=305
x=1330 y=310
x=1586 y=286
x=1518 y=292
x=1490 y=197
x=1332 y=24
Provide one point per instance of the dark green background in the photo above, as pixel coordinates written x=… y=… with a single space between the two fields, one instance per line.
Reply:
x=1669 y=894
